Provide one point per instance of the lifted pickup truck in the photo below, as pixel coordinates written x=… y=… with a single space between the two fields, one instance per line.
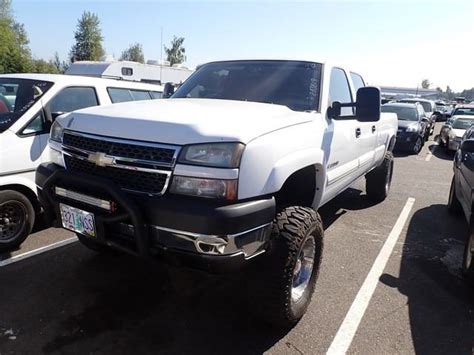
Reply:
x=227 y=173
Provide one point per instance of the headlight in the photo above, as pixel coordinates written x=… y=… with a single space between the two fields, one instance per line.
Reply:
x=208 y=188
x=56 y=156
x=216 y=155
x=56 y=133
x=413 y=128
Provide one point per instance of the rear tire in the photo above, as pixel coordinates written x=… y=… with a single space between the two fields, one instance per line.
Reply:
x=286 y=277
x=454 y=206
x=91 y=244
x=379 y=180
x=17 y=217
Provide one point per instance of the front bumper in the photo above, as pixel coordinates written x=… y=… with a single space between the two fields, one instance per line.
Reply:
x=206 y=234
x=406 y=140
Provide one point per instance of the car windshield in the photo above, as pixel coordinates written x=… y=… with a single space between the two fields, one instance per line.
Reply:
x=462 y=123
x=403 y=113
x=17 y=96
x=426 y=105
x=464 y=111
x=293 y=84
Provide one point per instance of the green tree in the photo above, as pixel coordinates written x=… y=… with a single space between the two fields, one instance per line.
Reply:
x=425 y=84
x=88 y=38
x=133 y=53
x=15 y=56
x=45 y=67
x=61 y=66
x=176 y=53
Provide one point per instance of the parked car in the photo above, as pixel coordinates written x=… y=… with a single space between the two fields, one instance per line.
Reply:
x=229 y=173
x=452 y=132
x=29 y=103
x=463 y=110
x=429 y=107
x=461 y=197
x=413 y=125
x=442 y=111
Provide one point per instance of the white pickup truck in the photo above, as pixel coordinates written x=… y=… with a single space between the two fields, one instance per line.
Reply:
x=228 y=173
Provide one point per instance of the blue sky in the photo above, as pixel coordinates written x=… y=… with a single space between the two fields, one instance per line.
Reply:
x=389 y=42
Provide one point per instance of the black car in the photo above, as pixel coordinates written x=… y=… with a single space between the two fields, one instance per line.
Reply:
x=461 y=196
x=413 y=125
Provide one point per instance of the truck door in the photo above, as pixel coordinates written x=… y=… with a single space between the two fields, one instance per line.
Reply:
x=341 y=138
x=465 y=162
x=367 y=140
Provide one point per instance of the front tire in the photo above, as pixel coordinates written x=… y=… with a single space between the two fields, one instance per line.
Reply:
x=287 y=279
x=417 y=146
x=468 y=262
x=17 y=217
x=379 y=180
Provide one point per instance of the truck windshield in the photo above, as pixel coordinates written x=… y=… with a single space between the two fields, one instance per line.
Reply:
x=403 y=113
x=293 y=84
x=426 y=105
x=464 y=111
x=17 y=96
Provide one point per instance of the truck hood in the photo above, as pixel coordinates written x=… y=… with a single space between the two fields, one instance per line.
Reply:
x=185 y=121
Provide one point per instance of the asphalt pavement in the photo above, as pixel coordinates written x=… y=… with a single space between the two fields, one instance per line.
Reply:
x=70 y=300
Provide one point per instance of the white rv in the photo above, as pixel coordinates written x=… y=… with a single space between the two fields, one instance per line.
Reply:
x=157 y=72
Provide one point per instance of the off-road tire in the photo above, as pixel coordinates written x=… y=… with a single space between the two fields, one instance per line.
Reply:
x=91 y=244
x=273 y=276
x=454 y=206
x=17 y=217
x=379 y=180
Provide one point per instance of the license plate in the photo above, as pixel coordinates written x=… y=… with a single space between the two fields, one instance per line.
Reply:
x=77 y=220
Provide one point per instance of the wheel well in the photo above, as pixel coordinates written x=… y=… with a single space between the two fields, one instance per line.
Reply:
x=298 y=189
x=25 y=191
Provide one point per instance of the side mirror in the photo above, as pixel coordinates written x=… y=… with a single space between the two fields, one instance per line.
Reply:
x=368 y=104
x=467 y=146
x=168 y=90
x=424 y=119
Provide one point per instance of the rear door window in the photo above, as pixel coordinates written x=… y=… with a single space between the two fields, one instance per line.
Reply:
x=140 y=95
x=357 y=81
x=119 y=95
x=74 y=98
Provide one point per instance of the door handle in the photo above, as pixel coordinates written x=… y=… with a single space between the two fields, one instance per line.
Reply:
x=358 y=132
x=374 y=129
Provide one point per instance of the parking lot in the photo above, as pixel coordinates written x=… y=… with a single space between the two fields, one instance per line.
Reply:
x=70 y=300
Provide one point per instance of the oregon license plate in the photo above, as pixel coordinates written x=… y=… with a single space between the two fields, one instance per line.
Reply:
x=77 y=220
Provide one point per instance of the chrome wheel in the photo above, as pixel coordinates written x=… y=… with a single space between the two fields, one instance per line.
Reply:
x=303 y=269
x=12 y=217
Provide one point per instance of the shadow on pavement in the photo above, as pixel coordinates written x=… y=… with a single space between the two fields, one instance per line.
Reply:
x=441 y=152
x=439 y=301
x=80 y=302
x=350 y=200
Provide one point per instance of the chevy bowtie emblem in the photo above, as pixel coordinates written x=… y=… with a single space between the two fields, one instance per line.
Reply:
x=100 y=159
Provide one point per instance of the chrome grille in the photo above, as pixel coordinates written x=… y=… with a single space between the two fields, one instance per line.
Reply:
x=130 y=180
x=138 y=151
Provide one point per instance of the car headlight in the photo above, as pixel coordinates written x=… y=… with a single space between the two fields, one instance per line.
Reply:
x=216 y=155
x=413 y=128
x=208 y=188
x=57 y=132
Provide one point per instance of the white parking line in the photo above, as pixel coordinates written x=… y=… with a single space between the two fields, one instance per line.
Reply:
x=34 y=252
x=348 y=328
x=428 y=157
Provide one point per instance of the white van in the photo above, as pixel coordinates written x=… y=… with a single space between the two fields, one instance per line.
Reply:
x=29 y=103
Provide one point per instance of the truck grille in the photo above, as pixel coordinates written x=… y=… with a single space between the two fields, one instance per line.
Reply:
x=160 y=155
x=131 y=180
